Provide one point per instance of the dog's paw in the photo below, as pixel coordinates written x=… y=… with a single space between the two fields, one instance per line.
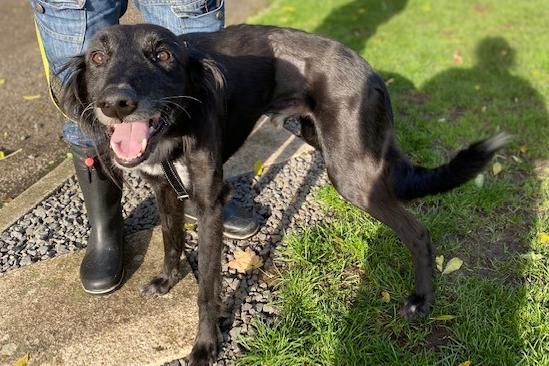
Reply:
x=415 y=306
x=203 y=354
x=160 y=285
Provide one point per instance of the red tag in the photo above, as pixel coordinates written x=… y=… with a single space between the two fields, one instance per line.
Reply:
x=89 y=161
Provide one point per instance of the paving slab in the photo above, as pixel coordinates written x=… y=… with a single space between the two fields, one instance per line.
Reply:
x=45 y=313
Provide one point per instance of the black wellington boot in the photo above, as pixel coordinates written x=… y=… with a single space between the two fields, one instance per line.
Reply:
x=238 y=223
x=101 y=270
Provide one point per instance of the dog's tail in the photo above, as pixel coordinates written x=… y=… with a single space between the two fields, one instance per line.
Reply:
x=412 y=181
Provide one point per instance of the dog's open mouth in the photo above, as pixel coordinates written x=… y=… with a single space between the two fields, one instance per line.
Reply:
x=129 y=140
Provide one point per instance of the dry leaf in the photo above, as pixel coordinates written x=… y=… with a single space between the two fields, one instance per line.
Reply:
x=245 y=261
x=2 y=81
x=465 y=363
x=190 y=226
x=524 y=149
x=458 y=60
x=385 y=297
x=22 y=361
x=453 y=265
x=31 y=97
x=69 y=155
x=544 y=238
x=497 y=168
x=258 y=168
x=534 y=257
x=439 y=260
x=4 y=156
x=516 y=158
x=444 y=317
x=479 y=180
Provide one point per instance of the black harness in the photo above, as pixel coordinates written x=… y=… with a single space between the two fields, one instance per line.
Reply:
x=174 y=180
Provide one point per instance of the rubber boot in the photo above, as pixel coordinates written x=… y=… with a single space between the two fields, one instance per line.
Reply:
x=238 y=223
x=101 y=270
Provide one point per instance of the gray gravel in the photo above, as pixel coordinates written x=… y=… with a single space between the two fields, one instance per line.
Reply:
x=281 y=202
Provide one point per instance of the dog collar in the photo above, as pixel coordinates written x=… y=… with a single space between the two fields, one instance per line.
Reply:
x=174 y=180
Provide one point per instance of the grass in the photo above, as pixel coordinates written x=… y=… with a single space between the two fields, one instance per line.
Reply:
x=457 y=71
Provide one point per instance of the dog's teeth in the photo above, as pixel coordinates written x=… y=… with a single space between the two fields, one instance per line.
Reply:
x=143 y=145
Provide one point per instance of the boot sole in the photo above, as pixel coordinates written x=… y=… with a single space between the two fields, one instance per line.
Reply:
x=105 y=291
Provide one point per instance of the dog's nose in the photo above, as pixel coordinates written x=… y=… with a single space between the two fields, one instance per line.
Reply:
x=118 y=103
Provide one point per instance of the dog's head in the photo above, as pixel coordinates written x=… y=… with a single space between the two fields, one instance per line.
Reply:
x=131 y=85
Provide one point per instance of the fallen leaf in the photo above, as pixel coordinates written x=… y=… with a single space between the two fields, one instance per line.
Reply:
x=22 y=361
x=31 y=97
x=190 y=226
x=443 y=317
x=245 y=260
x=4 y=156
x=51 y=162
x=544 y=238
x=385 y=297
x=497 y=168
x=524 y=149
x=534 y=257
x=439 y=260
x=2 y=81
x=258 y=168
x=453 y=265
x=465 y=363
x=69 y=155
x=458 y=60
x=517 y=159
x=479 y=180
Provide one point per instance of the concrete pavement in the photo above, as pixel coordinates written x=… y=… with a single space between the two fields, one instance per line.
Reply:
x=45 y=313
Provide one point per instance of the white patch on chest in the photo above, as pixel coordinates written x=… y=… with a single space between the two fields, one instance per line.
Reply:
x=151 y=169
x=183 y=173
x=156 y=170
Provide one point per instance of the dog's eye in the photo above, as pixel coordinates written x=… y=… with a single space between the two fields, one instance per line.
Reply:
x=98 y=58
x=162 y=56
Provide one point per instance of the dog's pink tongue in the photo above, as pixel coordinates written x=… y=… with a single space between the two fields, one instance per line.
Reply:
x=127 y=139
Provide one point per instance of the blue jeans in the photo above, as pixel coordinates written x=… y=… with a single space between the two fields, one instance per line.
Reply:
x=67 y=26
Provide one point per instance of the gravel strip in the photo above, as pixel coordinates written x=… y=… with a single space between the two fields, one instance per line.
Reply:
x=281 y=202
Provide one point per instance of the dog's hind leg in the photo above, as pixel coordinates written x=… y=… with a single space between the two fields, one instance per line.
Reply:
x=171 y=217
x=373 y=193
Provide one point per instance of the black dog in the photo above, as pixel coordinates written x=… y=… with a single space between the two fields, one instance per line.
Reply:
x=194 y=99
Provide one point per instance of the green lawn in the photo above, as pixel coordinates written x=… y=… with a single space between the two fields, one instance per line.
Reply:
x=457 y=71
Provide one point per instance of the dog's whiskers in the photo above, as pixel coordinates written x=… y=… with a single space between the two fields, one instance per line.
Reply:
x=167 y=102
x=182 y=96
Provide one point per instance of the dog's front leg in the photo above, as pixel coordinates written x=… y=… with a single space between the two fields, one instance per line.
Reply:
x=208 y=195
x=209 y=278
x=171 y=218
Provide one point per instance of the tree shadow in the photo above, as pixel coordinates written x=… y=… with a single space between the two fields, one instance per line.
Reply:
x=355 y=23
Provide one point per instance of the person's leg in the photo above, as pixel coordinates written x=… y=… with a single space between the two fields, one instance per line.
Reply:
x=64 y=28
x=185 y=16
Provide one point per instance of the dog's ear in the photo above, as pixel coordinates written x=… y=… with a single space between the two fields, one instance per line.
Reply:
x=74 y=91
x=207 y=78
